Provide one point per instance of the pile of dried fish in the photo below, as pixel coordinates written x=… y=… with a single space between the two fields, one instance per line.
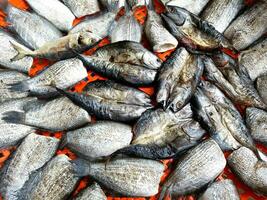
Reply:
x=119 y=133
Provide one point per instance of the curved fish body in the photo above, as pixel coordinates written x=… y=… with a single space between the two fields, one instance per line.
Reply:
x=163 y=134
x=62 y=48
x=127 y=176
x=223 y=119
x=109 y=100
x=55 y=12
x=261 y=84
x=98 y=25
x=193 y=6
x=256 y=122
x=128 y=52
x=248 y=27
x=158 y=36
x=81 y=8
x=99 y=139
x=254 y=59
x=8 y=77
x=205 y=157
x=7 y=52
x=93 y=192
x=249 y=169
x=224 y=189
x=15 y=105
x=57 y=115
x=220 y=13
x=11 y=134
x=127 y=73
x=63 y=74
x=56 y=180
x=193 y=32
x=234 y=81
x=34 y=30
x=178 y=79
x=31 y=155
x=126 y=29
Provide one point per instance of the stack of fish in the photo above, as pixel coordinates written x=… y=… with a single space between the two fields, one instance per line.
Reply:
x=119 y=133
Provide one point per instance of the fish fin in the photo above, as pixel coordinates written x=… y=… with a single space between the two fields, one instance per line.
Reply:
x=20 y=87
x=14 y=117
x=81 y=167
x=22 y=52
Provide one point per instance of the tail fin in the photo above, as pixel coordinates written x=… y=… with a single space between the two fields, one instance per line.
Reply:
x=22 y=52
x=20 y=87
x=14 y=117
x=81 y=167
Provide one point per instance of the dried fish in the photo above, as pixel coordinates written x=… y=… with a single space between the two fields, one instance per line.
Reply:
x=93 y=192
x=248 y=27
x=30 y=156
x=55 y=181
x=207 y=156
x=220 y=13
x=249 y=169
x=234 y=81
x=137 y=3
x=62 y=48
x=99 y=139
x=191 y=31
x=8 y=77
x=159 y=37
x=224 y=189
x=178 y=79
x=112 y=5
x=57 y=115
x=261 y=84
x=123 y=72
x=55 y=12
x=110 y=100
x=129 y=52
x=256 y=122
x=63 y=74
x=127 y=176
x=7 y=52
x=81 y=8
x=254 y=59
x=34 y=30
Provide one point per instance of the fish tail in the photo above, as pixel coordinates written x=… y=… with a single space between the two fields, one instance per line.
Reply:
x=64 y=141
x=14 y=117
x=81 y=167
x=165 y=190
x=20 y=87
x=22 y=52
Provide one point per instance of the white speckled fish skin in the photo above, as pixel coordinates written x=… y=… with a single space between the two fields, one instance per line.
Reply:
x=126 y=29
x=254 y=59
x=55 y=12
x=8 y=77
x=81 y=8
x=98 y=25
x=93 y=192
x=57 y=115
x=198 y=167
x=11 y=134
x=256 y=122
x=193 y=6
x=158 y=36
x=55 y=181
x=63 y=74
x=161 y=127
x=99 y=139
x=7 y=52
x=248 y=27
x=15 y=105
x=261 y=85
x=127 y=176
x=249 y=169
x=30 y=156
x=34 y=30
x=220 y=13
x=221 y=190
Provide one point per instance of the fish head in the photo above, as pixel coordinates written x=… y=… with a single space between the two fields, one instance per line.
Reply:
x=177 y=14
x=171 y=25
x=151 y=60
x=88 y=38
